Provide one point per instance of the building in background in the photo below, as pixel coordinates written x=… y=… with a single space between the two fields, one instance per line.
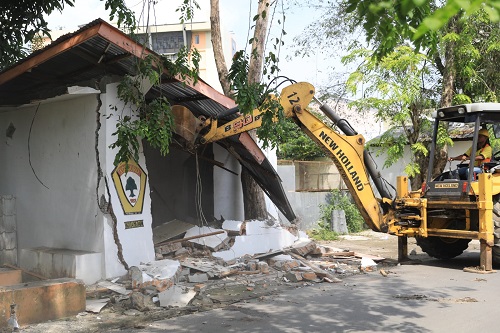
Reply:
x=168 y=39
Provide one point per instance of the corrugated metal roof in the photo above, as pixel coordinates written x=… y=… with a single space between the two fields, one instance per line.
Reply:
x=100 y=51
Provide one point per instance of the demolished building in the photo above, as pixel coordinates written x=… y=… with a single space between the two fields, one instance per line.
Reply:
x=70 y=213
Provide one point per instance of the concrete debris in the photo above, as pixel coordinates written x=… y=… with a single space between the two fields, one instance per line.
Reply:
x=293 y=276
x=170 y=229
x=191 y=275
x=303 y=247
x=234 y=228
x=141 y=302
x=198 y=278
x=368 y=264
x=160 y=274
x=319 y=272
x=244 y=260
x=96 y=305
x=168 y=248
x=114 y=287
x=176 y=296
x=204 y=265
x=214 y=242
x=260 y=238
x=263 y=267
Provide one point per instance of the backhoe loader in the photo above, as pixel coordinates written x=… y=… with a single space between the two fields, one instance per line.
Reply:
x=444 y=215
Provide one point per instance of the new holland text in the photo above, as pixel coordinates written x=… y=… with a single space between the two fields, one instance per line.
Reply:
x=344 y=159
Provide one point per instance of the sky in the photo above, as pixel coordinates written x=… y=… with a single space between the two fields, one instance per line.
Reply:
x=235 y=17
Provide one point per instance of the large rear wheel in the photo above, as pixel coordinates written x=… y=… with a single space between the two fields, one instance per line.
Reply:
x=443 y=248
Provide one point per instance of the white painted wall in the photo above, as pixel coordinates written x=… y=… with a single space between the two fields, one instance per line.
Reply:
x=137 y=243
x=228 y=194
x=50 y=167
x=273 y=159
x=209 y=73
x=58 y=140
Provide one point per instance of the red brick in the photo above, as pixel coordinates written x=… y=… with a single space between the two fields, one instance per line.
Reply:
x=309 y=276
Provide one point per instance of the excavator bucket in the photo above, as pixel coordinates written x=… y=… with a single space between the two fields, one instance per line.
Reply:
x=186 y=125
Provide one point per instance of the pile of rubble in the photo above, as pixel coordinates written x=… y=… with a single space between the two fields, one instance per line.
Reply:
x=208 y=267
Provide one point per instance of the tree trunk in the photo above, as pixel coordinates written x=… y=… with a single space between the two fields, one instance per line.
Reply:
x=253 y=197
x=449 y=72
x=220 y=62
x=258 y=44
x=254 y=201
x=449 y=75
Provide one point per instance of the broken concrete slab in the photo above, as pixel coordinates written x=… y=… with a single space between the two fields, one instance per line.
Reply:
x=206 y=266
x=303 y=247
x=214 y=242
x=96 y=305
x=168 y=248
x=260 y=238
x=176 y=296
x=197 y=278
x=233 y=228
x=169 y=230
x=160 y=274
x=114 y=287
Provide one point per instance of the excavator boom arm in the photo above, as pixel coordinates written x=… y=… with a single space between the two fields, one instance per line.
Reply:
x=346 y=151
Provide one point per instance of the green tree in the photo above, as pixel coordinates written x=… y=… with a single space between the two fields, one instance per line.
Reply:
x=461 y=44
x=298 y=146
x=388 y=22
x=21 y=21
x=395 y=87
x=477 y=51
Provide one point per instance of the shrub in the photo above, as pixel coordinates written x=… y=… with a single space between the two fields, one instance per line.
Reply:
x=323 y=232
x=335 y=200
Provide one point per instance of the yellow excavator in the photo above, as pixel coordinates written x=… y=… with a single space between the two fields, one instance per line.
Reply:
x=444 y=215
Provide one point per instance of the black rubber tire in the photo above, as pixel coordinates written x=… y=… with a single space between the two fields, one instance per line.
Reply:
x=496 y=230
x=441 y=247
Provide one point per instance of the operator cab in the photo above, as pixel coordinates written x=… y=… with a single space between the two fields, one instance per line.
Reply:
x=471 y=118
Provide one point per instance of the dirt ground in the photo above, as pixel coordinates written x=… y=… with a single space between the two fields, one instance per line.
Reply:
x=123 y=313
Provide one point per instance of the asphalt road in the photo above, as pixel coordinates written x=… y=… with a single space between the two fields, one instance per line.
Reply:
x=433 y=296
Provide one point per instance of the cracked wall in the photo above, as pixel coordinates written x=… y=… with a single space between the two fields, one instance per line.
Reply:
x=49 y=167
x=136 y=243
x=57 y=165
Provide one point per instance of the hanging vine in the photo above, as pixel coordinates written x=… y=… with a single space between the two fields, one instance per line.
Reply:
x=150 y=120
